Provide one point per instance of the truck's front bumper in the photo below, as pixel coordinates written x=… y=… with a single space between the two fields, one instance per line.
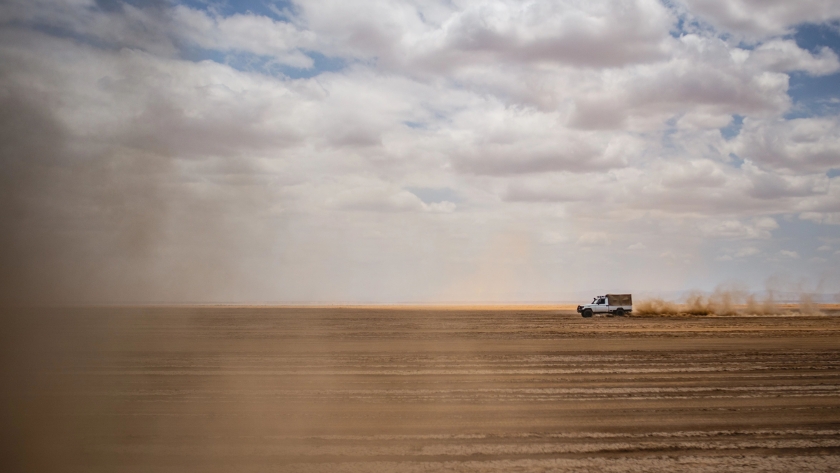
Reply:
x=580 y=309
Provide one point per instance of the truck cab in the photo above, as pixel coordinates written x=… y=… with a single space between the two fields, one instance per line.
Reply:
x=609 y=305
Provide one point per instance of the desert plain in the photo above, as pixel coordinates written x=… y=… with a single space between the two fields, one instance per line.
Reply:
x=415 y=389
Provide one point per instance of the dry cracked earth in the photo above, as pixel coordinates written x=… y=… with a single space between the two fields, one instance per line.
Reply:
x=259 y=389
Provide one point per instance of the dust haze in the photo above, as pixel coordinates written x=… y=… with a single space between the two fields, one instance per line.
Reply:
x=118 y=220
x=730 y=300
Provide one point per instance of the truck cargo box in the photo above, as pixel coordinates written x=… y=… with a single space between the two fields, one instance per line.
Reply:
x=619 y=299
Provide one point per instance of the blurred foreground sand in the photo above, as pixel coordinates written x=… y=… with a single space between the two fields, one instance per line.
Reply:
x=227 y=388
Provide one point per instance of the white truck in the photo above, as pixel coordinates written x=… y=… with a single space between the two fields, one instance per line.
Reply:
x=609 y=305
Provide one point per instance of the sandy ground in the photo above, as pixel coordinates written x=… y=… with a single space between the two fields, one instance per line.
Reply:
x=374 y=389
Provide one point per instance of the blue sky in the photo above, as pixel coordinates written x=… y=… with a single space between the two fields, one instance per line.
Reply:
x=277 y=10
x=324 y=151
x=816 y=95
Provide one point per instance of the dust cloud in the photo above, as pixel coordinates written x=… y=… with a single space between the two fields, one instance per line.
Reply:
x=728 y=301
x=119 y=218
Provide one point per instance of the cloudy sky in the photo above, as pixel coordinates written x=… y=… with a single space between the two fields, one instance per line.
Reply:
x=416 y=151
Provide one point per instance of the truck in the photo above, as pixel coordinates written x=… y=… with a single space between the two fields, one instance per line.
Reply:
x=609 y=305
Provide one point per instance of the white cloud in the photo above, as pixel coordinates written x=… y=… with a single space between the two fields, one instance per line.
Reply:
x=585 y=34
x=244 y=33
x=377 y=199
x=756 y=19
x=647 y=95
x=699 y=173
x=747 y=251
x=803 y=144
x=758 y=228
x=739 y=254
x=593 y=239
x=439 y=36
x=443 y=207
x=785 y=56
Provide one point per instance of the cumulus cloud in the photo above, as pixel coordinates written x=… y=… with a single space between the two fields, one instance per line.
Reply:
x=376 y=197
x=378 y=200
x=584 y=34
x=804 y=144
x=593 y=239
x=789 y=254
x=700 y=173
x=703 y=74
x=747 y=251
x=538 y=156
x=441 y=36
x=244 y=33
x=785 y=56
x=758 y=228
x=757 y=19
x=772 y=186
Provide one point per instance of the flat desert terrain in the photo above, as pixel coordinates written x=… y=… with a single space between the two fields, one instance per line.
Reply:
x=390 y=389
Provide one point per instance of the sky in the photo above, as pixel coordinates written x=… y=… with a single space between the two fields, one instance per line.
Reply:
x=416 y=151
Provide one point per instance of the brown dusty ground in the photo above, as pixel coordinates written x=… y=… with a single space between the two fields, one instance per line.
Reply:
x=247 y=389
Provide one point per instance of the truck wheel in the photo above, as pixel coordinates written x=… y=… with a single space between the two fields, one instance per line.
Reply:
x=619 y=312
x=586 y=313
